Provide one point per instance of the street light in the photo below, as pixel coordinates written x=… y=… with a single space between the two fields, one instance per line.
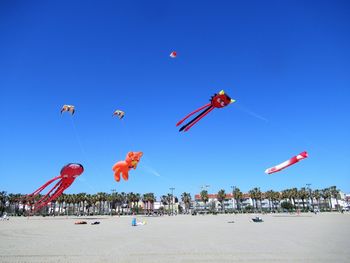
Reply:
x=205 y=186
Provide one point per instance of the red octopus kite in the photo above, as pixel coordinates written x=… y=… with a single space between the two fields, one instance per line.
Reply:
x=122 y=167
x=217 y=101
x=67 y=176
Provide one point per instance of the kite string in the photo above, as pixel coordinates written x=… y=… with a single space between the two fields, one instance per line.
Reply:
x=289 y=131
x=83 y=152
x=150 y=170
x=145 y=162
x=78 y=138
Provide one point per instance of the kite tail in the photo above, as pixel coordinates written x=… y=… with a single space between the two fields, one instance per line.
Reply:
x=193 y=112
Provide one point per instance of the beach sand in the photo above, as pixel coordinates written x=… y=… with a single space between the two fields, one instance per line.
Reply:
x=182 y=238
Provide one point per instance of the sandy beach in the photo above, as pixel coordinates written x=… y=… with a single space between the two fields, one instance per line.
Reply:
x=281 y=237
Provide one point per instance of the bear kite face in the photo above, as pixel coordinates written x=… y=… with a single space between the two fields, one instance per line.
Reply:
x=133 y=158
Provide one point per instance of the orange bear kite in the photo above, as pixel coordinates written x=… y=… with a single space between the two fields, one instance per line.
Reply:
x=122 y=167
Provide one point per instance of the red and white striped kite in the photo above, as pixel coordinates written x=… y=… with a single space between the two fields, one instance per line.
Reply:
x=173 y=54
x=287 y=163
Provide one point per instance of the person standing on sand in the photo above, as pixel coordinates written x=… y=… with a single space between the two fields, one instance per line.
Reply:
x=133 y=220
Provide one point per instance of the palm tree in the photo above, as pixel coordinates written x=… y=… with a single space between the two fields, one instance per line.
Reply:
x=60 y=201
x=303 y=194
x=285 y=195
x=81 y=202
x=169 y=198
x=101 y=198
x=238 y=195
x=326 y=195
x=129 y=200
x=186 y=198
x=144 y=199
x=69 y=201
x=259 y=196
x=317 y=195
x=88 y=202
x=204 y=197
x=221 y=198
x=293 y=195
x=112 y=199
x=132 y=200
x=270 y=196
x=94 y=201
x=124 y=200
x=256 y=195
x=119 y=199
x=137 y=198
x=3 y=200
x=276 y=198
x=149 y=199
x=13 y=203
x=253 y=197
x=164 y=200
x=335 y=194
x=75 y=201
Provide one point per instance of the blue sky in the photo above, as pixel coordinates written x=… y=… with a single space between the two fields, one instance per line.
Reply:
x=287 y=64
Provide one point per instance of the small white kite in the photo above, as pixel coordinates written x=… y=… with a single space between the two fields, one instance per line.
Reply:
x=120 y=114
x=69 y=108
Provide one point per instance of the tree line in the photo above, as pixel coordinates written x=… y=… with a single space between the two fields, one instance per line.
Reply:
x=121 y=203
x=291 y=197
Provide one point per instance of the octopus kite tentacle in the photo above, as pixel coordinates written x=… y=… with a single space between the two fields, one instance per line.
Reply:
x=66 y=178
x=217 y=101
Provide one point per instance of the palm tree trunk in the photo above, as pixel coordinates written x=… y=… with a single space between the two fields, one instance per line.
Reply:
x=336 y=199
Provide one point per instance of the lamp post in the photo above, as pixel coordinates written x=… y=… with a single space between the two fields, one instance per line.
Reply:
x=172 y=200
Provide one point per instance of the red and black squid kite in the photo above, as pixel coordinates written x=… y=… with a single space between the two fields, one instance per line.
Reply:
x=67 y=176
x=217 y=101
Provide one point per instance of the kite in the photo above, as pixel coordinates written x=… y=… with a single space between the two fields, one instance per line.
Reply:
x=120 y=114
x=122 y=167
x=287 y=163
x=67 y=176
x=173 y=54
x=69 y=108
x=217 y=101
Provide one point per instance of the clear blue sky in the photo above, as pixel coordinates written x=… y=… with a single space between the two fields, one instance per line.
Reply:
x=287 y=63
